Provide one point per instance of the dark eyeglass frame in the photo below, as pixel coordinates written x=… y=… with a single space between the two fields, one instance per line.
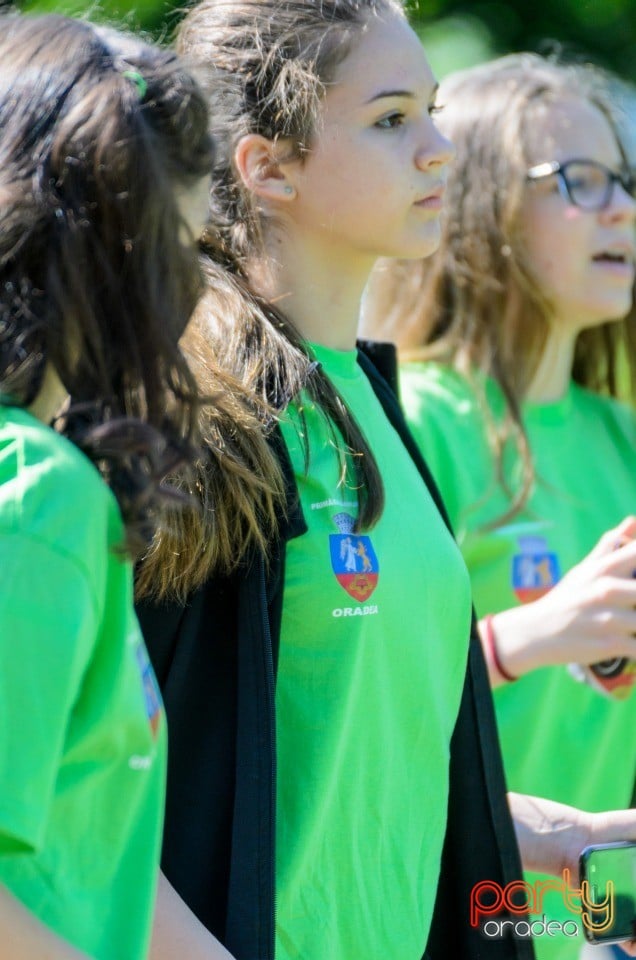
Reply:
x=626 y=178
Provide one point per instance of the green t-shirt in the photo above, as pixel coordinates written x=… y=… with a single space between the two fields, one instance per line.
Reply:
x=561 y=739
x=372 y=663
x=82 y=731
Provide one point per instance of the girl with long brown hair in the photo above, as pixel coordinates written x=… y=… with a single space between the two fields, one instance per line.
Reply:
x=334 y=787
x=513 y=335
x=103 y=140
x=310 y=705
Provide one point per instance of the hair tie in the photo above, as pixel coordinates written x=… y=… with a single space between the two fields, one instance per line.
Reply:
x=491 y=646
x=135 y=77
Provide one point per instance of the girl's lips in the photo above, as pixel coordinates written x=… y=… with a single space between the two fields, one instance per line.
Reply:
x=433 y=202
x=617 y=268
x=619 y=252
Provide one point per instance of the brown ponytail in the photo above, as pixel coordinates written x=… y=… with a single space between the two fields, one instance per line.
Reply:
x=265 y=65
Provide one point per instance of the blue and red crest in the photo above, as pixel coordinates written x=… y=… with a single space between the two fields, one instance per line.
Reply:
x=535 y=570
x=353 y=559
x=152 y=697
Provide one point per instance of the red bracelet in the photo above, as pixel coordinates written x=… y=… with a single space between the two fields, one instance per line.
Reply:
x=491 y=645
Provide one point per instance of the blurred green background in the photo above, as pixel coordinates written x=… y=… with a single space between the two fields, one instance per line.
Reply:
x=455 y=33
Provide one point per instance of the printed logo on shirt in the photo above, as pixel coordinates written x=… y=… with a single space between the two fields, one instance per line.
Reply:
x=322 y=504
x=353 y=559
x=534 y=569
x=152 y=697
x=366 y=611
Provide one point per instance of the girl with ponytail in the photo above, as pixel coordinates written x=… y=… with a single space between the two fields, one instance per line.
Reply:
x=103 y=141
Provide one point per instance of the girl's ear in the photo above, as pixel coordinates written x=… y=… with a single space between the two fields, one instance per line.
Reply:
x=261 y=169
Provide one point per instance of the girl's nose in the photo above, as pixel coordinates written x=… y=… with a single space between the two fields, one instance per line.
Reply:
x=438 y=151
x=622 y=205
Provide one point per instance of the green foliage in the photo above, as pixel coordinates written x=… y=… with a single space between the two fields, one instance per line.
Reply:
x=456 y=32
x=156 y=18
x=600 y=30
x=453 y=43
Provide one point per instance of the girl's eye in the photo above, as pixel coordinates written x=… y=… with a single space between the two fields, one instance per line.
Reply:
x=389 y=122
x=434 y=108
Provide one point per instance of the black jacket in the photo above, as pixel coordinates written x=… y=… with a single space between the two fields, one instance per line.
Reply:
x=215 y=660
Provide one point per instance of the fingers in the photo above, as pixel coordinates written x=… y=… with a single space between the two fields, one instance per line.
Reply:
x=620 y=562
x=626 y=528
x=615 y=622
x=612 y=825
x=616 y=537
x=612 y=593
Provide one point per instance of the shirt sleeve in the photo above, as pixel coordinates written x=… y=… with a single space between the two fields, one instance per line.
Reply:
x=48 y=626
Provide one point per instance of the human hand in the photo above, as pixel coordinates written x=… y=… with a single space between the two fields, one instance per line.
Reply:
x=552 y=835
x=590 y=615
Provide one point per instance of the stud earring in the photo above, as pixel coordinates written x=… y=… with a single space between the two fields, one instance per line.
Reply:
x=288 y=188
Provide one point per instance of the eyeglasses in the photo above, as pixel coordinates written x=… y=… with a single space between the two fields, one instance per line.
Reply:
x=585 y=183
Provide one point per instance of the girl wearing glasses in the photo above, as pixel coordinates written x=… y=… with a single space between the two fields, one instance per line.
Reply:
x=515 y=337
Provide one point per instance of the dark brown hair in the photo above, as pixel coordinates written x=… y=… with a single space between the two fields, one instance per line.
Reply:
x=475 y=304
x=98 y=131
x=265 y=65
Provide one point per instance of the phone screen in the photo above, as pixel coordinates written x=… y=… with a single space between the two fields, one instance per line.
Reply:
x=610 y=872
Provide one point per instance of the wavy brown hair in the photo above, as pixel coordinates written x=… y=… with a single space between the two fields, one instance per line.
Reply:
x=474 y=304
x=265 y=65
x=98 y=132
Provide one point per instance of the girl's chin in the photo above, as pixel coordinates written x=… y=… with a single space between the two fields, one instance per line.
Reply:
x=417 y=251
x=609 y=313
